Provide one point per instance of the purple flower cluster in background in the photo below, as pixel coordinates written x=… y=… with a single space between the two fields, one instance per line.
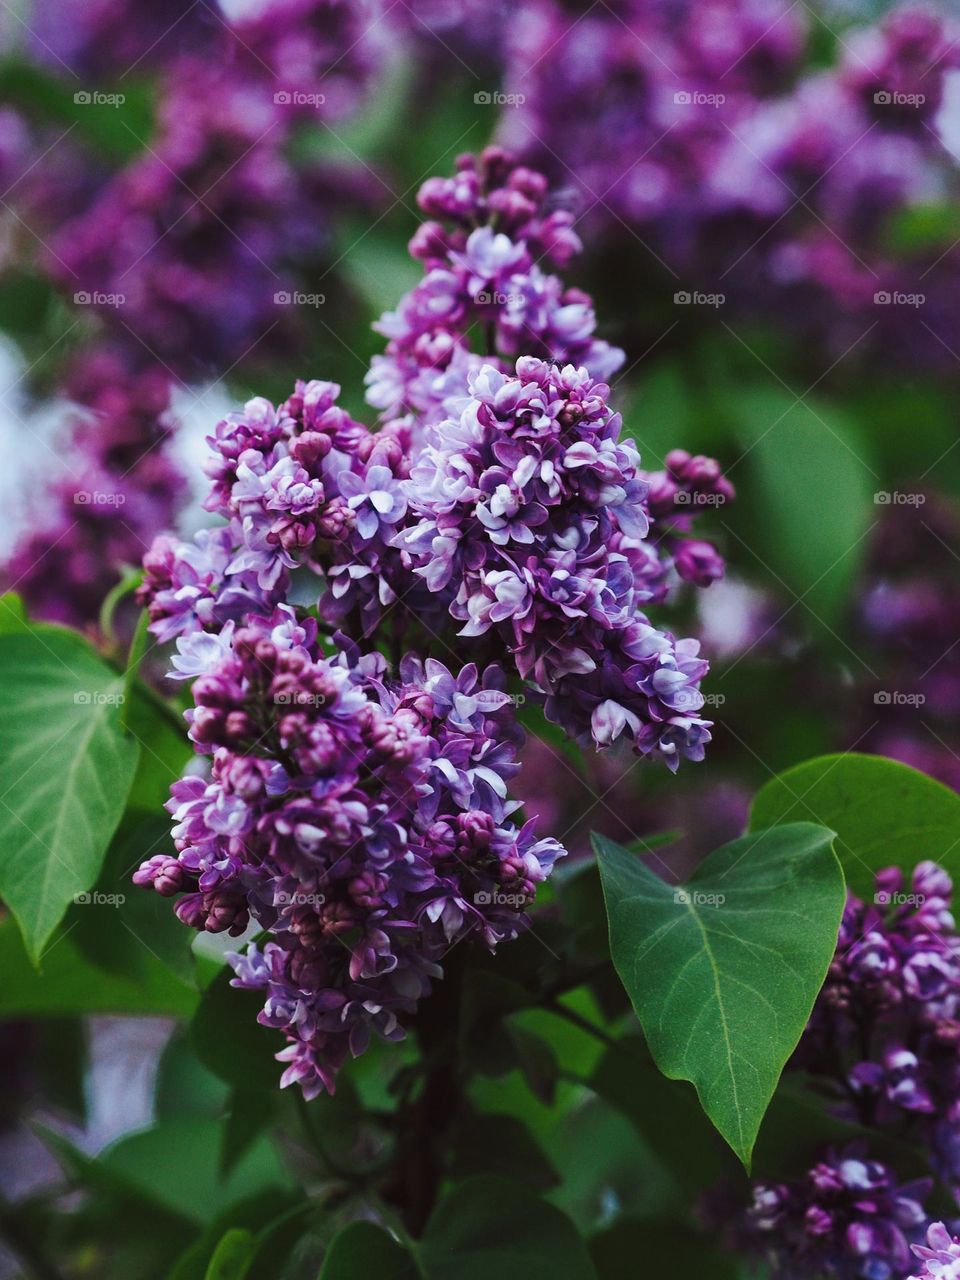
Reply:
x=882 y=1046
x=885 y=1032
x=848 y=1219
x=117 y=486
x=908 y=621
x=490 y=229
x=362 y=820
x=720 y=156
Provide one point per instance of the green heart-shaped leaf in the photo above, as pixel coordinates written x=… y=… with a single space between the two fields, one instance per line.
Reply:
x=724 y=971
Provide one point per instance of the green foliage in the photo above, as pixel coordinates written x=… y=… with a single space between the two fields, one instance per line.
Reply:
x=65 y=771
x=723 y=971
x=363 y=1249
x=883 y=813
x=493 y=1226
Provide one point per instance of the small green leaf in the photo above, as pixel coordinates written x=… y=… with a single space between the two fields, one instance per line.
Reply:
x=491 y=1226
x=65 y=771
x=883 y=813
x=232 y=1256
x=363 y=1250
x=723 y=971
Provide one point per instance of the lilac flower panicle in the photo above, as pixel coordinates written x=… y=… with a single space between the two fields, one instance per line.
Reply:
x=885 y=1031
x=362 y=819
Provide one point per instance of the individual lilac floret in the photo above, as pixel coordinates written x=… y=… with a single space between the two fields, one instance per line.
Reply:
x=848 y=1219
x=529 y=517
x=489 y=232
x=361 y=818
x=940 y=1256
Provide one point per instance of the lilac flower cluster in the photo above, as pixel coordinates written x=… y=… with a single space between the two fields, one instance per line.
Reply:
x=849 y=1219
x=489 y=230
x=716 y=150
x=882 y=1045
x=361 y=817
x=363 y=821
x=521 y=515
x=299 y=484
x=940 y=1256
x=530 y=516
x=119 y=485
x=885 y=1032
x=194 y=235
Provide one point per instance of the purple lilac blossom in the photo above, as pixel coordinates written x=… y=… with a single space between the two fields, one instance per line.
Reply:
x=300 y=485
x=848 y=1219
x=940 y=1256
x=362 y=819
x=885 y=1032
x=490 y=230
x=716 y=153
x=119 y=486
x=529 y=517
x=193 y=235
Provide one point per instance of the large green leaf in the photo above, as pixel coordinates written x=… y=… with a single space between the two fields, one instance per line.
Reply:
x=883 y=812
x=490 y=1226
x=362 y=1250
x=65 y=771
x=723 y=971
